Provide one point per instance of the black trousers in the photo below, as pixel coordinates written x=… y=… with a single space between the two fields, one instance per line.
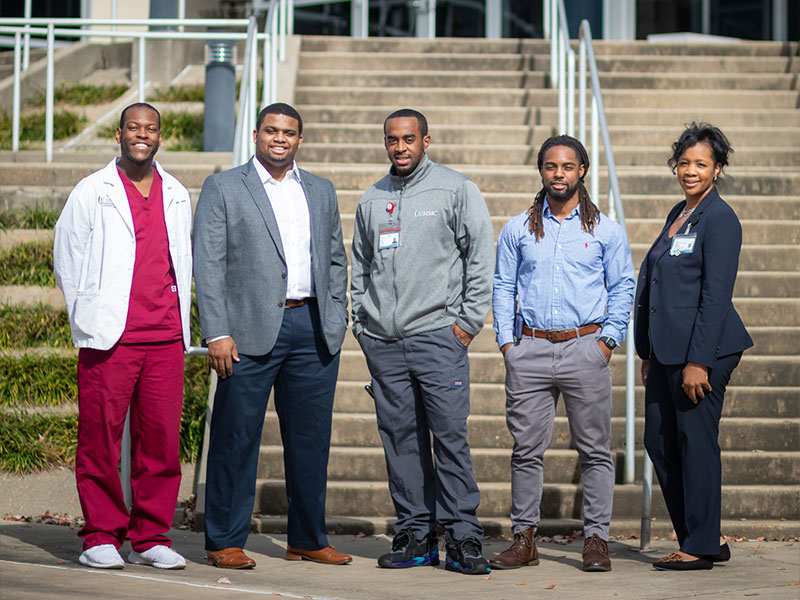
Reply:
x=304 y=376
x=681 y=439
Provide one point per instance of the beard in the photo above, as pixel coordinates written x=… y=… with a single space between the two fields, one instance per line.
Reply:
x=561 y=196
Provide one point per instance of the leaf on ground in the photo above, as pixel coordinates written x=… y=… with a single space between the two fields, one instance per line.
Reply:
x=550 y=587
x=361 y=534
x=223 y=580
x=523 y=583
x=795 y=583
x=488 y=577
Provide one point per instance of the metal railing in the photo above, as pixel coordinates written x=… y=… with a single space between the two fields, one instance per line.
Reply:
x=562 y=76
x=51 y=27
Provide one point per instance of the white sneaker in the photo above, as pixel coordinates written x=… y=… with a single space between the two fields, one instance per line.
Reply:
x=160 y=557
x=104 y=556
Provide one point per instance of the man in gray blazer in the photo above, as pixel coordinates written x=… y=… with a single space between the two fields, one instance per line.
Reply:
x=271 y=277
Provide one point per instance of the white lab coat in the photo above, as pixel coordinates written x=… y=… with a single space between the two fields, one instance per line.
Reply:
x=95 y=248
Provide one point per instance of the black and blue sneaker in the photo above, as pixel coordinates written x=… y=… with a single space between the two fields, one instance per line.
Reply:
x=407 y=551
x=465 y=556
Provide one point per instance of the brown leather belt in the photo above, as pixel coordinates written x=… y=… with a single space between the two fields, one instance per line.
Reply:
x=296 y=303
x=560 y=335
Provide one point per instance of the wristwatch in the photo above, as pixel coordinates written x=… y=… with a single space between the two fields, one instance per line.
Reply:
x=608 y=341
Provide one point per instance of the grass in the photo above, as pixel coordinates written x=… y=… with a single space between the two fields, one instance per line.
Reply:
x=38 y=380
x=82 y=94
x=33 y=441
x=33 y=326
x=32 y=127
x=49 y=381
x=180 y=130
x=28 y=263
x=38 y=217
x=182 y=93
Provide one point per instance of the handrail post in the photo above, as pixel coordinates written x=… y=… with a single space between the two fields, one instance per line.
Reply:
x=630 y=407
x=16 y=98
x=546 y=17
x=554 y=44
x=284 y=9
x=582 y=88
x=290 y=19
x=142 y=66
x=562 y=85
x=273 y=60
x=647 y=499
x=594 y=149
x=181 y=13
x=26 y=53
x=571 y=92
x=265 y=64
x=49 y=93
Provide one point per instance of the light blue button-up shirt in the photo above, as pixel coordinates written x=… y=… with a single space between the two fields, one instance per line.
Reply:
x=568 y=278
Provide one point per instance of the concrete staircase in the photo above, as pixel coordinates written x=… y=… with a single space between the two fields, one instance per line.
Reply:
x=489 y=111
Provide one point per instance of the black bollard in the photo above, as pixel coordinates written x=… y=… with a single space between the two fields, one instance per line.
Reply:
x=219 y=119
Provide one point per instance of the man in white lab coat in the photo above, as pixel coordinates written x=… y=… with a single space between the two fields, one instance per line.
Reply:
x=122 y=257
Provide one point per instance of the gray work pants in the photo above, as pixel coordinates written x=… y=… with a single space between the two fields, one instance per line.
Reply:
x=421 y=387
x=537 y=371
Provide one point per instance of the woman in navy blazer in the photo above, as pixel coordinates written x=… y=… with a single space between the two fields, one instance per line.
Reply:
x=690 y=339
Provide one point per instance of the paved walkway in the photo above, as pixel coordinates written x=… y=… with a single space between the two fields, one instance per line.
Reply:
x=40 y=562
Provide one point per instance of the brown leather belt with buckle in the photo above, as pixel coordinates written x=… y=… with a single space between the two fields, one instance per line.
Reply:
x=296 y=303
x=560 y=335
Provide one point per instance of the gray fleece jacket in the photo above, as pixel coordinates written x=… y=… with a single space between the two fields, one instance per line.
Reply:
x=440 y=269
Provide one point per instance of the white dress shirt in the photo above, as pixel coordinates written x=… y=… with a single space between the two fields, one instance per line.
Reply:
x=288 y=201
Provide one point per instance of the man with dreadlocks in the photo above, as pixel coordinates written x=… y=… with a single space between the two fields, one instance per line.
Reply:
x=570 y=268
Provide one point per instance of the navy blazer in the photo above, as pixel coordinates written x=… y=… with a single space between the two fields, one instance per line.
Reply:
x=684 y=308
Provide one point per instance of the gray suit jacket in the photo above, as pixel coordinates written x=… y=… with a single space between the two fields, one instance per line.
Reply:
x=239 y=264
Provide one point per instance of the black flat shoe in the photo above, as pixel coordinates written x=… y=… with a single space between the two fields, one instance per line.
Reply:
x=675 y=562
x=724 y=554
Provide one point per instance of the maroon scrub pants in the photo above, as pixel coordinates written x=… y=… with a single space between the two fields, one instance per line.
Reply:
x=148 y=378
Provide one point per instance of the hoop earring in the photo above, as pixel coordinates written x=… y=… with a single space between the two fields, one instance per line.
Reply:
x=715 y=178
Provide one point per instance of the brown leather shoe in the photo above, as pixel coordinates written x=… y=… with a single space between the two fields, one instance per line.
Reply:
x=229 y=558
x=595 y=554
x=325 y=556
x=521 y=553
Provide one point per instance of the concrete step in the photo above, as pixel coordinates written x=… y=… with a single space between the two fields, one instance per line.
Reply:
x=755 y=257
x=539 y=46
x=490 y=179
x=721 y=64
x=558 y=500
x=523 y=153
x=696 y=81
x=642 y=206
x=400 y=61
x=768 y=341
x=371 y=134
x=489 y=399
x=753 y=370
x=425 y=76
x=645 y=139
x=485 y=96
x=560 y=466
x=490 y=431
x=645 y=231
x=677 y=117
x=771 y=529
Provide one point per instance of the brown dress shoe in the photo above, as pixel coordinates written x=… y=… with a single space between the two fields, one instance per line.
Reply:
x=595 y=554
x=325 y=556
x=521 y=553
x=229 y=558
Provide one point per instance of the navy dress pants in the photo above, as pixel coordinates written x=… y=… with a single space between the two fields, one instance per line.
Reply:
x=303 y=374
x=681 y=439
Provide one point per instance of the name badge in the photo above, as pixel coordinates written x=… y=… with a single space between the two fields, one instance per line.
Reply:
x=683 y=244
x=388 y=236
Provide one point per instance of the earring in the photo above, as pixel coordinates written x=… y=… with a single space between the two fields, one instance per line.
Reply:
x=715 y=178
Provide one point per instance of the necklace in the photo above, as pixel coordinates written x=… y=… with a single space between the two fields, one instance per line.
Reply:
x=686 y=212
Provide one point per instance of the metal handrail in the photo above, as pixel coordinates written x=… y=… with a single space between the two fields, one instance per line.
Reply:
x=46 y=27
x=562 y=67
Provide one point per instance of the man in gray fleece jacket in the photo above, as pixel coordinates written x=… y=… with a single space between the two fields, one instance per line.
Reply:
x=422 y=267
